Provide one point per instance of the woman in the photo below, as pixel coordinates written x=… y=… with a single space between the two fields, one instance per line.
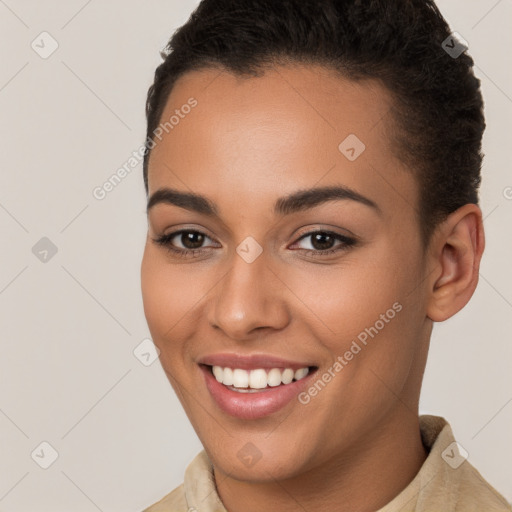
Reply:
x=312 y=171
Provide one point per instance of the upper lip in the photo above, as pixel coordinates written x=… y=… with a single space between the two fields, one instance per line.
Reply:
x=250 y=362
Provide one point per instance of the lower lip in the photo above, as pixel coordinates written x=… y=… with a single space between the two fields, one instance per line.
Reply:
x=251 y=406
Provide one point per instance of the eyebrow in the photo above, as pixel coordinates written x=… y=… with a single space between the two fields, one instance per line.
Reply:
x=297 y=201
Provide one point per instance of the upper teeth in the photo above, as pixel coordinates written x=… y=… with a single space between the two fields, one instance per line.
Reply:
x=257 y=379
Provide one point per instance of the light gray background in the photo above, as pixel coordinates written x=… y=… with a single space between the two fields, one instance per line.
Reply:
x=69 y=326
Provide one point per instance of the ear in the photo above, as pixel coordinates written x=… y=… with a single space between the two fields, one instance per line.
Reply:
x=455 y=252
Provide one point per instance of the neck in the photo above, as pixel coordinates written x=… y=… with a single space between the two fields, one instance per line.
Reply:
x=364 y=480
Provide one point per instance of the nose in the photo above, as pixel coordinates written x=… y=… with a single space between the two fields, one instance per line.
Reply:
x=248 y=300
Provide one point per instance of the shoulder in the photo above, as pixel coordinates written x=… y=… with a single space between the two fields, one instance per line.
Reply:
x=198 y=491
x=476 y=494
x=174 y=501
x=452 y=479
x=446 y=481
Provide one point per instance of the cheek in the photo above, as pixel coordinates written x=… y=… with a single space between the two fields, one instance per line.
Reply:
x=363 y=311
x=345 y=299
x=170 y=298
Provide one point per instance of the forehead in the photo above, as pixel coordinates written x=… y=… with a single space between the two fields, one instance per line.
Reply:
x=292 y=127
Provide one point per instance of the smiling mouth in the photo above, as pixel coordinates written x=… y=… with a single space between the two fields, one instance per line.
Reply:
x=259 y=379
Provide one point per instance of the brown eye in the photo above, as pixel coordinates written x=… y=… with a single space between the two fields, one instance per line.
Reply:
x=185 y=241
x=324 y=242
x=191 y=239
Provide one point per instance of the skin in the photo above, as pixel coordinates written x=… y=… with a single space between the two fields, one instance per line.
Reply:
x=249 y=142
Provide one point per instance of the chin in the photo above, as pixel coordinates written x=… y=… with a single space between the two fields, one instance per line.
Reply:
x=265 y=467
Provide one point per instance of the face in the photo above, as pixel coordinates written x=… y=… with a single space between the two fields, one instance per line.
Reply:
x=282 y=271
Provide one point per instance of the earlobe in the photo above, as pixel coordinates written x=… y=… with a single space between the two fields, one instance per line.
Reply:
x=456 y=251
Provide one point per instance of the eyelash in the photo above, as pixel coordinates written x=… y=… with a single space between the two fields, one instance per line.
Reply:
x=165 y=241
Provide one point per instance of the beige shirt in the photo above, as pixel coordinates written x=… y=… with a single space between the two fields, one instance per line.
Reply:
x=445 y=483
